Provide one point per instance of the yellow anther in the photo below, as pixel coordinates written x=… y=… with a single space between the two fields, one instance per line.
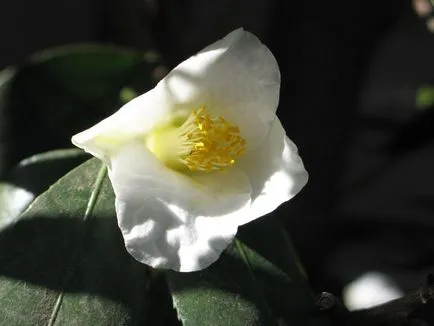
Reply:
x=210 y=143
x=201 y=143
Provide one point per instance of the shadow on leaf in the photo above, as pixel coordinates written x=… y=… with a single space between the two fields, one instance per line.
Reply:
x=256 y=279
x=68 y=255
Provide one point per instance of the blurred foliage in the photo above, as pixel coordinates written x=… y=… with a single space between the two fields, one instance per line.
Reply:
x=59 y=92
x=425 y=97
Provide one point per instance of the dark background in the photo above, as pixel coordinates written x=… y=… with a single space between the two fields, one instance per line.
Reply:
x=350 y=75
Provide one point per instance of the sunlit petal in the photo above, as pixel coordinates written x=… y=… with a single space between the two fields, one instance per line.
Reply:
x=137 y=117
x=200 y=154
x=237 y=77
x=276 y=173
x=170 y=220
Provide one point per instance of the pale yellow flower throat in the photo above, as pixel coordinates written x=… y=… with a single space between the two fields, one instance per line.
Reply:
x=202 y=143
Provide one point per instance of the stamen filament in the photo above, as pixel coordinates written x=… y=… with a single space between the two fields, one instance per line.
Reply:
x=209 y=143
x=202 y=143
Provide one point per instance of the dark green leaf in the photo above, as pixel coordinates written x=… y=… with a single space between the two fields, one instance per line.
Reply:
x=257 y=281
x=33 y=176
x=64 y=263
x=60 y=92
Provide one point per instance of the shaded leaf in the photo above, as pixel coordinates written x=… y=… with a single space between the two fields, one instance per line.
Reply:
x=31 y=177
x=257 y=281
x=64 y=262
x=60 y=92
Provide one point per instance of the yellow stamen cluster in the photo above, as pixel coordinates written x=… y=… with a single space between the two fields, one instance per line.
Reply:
x=209 y=143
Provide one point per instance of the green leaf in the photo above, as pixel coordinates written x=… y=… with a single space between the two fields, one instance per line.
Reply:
x=62 y=91
x=257 y=281
x=64 y=262
x=425 y=97
x=33 y=176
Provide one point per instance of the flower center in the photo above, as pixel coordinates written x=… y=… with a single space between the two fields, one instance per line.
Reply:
x=202 y=143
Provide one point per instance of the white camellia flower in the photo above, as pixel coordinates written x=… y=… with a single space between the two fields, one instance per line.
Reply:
x=199 y=155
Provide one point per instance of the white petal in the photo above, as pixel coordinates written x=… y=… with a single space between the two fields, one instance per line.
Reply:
x=276 y=173
x=237 y=77
x=171 y=220
x=135 y=118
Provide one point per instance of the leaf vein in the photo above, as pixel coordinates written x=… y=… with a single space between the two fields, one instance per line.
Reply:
x=246 y=260
x=88 y=212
